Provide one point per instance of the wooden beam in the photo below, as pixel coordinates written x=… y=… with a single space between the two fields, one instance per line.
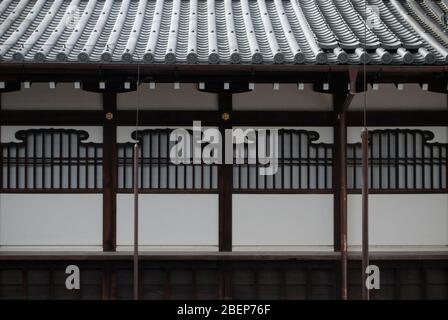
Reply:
x=263 y=73
x=240 y=118
x=110 y=172
x=225 y=177
x=399 y=118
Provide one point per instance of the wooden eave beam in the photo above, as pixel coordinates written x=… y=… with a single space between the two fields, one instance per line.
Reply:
x=70 y=72
x=240 y=118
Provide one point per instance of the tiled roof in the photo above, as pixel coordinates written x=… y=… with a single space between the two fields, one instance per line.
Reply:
x=225 y=31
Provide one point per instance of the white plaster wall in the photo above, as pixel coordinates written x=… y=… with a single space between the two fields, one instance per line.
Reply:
x=50 y=222
x=8 y=132
x=282 y=222
x=165 y=97
x=288 y=97
x=263 y=97
x=325 y=133
x=388 y=97
x=440 y=133
x=41 y=97
x=400 y=220
x=169 y=222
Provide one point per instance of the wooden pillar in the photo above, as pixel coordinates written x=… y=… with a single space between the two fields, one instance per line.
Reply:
x=110 y=171
x=225 y=178
x=225 y=185
x=340 y=189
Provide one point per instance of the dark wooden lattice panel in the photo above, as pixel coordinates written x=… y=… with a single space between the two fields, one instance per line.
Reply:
x=156 y=171
x=59 y=160
x=51 y=159
x=46 y=281
x=404 y=280
x=417 y=279
x=159 y=281
x=400 y=159
x=303 y=164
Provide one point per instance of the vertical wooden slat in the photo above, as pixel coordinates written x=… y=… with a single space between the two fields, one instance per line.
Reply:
x=405 y=156
x=167 y=285
x=256 y=283
x=159 y=167
x=142 y=161
x=52 y=160
x=194 y=284
x=371 y=168
x=108 y=282
x=43 y=160
x=17 y=181
x=389 y=160
x=317 y=167
x=87 y=167
x=61 y=161
x=8 y=160
x=291 y=175
x=24 y=284
x=150 y=159
x=51 y=284
x=380 y=161
x=397 y=161
x=282 y=284
x=125 y=166
x=397 y=284
x=414 y=159
x=166 y=159
x=225 y=282
x=308 y=283
x=308 y=163
x=440 y=183
x=34 y=161
x=69 y=159
x=95 y=166
x=299 y=142
x=423 y=284
x=109 y=173
x=431 y=164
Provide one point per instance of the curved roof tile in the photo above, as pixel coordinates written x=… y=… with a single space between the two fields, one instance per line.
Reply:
x=224 y=31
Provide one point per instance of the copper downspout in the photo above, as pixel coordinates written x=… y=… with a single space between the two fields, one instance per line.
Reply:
x=135 y=186
x=365 y=211
x=343 y=203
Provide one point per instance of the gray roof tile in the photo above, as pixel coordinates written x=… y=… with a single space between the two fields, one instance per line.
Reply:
x=224 y=31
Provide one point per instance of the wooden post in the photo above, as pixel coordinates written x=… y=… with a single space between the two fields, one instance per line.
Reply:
x=340 y=189
x=110 y=171
x=225 y=185
x=225 y=178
